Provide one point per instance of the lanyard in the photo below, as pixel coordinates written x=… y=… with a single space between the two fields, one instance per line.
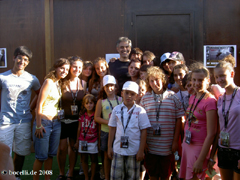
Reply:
x=85 y=132
x=190 y=115
x=60 y=94
x=128 y=120
x=111 y=103
x=74 y=96
x=182 y=101
x=225 y=115
x=155 y=98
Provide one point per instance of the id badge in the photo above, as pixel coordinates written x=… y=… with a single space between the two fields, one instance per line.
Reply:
x=74 y=109
x=124 y=142
x=224 y=137
x=156 y=129
x=61 y=114
x=84 y=146
x=188 y=136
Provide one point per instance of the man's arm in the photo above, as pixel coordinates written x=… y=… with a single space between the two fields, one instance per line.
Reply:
x=34 y=101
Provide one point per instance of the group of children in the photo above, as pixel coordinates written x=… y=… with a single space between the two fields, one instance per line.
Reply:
x=162 y=112
x=150 y=122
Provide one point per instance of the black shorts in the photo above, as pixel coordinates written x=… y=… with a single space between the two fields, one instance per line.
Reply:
x=228 y=159
x=69 y=130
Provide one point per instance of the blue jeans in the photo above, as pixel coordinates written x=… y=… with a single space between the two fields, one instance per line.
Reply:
x=47 y=146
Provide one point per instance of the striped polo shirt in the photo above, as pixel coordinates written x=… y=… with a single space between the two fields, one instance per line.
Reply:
x=170 y=109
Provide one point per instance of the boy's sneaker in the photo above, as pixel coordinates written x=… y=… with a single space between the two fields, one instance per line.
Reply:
x=67 y=173
x=18 y=178
x=102 y=176
x=81 y=171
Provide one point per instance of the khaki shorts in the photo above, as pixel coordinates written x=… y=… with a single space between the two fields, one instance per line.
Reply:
x=17 y=137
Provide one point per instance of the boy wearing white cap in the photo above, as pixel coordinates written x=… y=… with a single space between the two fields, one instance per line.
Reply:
x=128 y=124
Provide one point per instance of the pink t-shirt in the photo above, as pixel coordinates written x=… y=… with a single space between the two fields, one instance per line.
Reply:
x=92 y=132
x=233 y=125
x=199 y=124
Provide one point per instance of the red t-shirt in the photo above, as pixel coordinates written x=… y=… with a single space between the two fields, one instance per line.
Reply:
x=92 y=130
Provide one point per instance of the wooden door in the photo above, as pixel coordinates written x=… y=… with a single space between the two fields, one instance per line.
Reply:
x=166 y=26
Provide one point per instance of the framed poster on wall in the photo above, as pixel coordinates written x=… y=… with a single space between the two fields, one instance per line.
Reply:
x=214 y=53
x=3 y=57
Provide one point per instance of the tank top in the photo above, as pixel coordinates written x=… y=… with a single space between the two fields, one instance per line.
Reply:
x=67 y=101
x=106 y=111
x=50 y=106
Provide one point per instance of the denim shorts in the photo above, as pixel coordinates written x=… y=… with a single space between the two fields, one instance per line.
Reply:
x=47 y=146
x=228 y=159
x=104 y=141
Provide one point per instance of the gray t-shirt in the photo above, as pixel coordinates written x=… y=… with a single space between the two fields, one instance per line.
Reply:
x=184 y=98
x=15 y=97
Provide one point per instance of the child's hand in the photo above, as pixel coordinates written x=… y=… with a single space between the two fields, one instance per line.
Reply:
x=140 y=156
x=39 y=132
x=198 y=167
x=113 y=59
x=174 y=146
x=210 y=166
x=110 y=153
x=174 y=89
x=146 y=149
x=99 y=146
x=76 y=145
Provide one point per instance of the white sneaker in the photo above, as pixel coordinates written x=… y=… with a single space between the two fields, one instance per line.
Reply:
x=81 y=171
x=67 y=173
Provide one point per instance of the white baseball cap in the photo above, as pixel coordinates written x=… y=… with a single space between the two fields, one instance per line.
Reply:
x=108 y=79
x=131 y=86
x=176 y=56
x=165 y=56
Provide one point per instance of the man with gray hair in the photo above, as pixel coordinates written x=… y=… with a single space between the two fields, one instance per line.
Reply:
x=119 y=68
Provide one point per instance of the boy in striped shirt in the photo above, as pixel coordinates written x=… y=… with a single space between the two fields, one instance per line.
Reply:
x=164 y=111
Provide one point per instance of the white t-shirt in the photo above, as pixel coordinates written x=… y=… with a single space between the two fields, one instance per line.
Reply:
x=139 y=120
x=184 y=98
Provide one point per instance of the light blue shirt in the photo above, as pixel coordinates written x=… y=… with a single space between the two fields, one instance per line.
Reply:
x=15 y=97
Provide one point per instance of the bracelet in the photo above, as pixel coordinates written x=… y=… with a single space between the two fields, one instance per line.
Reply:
x=212 y=160
x=39 y=127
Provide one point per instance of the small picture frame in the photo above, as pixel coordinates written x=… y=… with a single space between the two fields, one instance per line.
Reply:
x=3 y=57
x=110 y=56
x=215 y=53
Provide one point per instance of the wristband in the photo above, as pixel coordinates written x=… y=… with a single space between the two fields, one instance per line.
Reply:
x=39 y=127
x=212 y=160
